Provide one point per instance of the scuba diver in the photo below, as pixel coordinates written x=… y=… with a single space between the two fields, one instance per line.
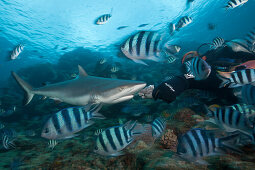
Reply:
x=207 y=68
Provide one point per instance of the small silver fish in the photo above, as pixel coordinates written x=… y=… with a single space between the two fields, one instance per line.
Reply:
x=16 y=52
x=7 y=142
x=171 y=28
x=235 y=3
x=183 y=22
x=103 y=19
x=170 y=59
x=98 y=131
x=158 y=127
x=115 y=69
x=218 y=42
x=172 y=49
x=52 y=144
x=1 y=125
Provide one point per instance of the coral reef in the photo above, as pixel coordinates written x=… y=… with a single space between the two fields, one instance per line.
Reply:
x=169 y=140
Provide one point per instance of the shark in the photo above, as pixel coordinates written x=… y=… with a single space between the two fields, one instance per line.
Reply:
x=84 y=90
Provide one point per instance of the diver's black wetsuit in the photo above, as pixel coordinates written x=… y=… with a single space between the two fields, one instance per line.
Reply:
x=222 y=58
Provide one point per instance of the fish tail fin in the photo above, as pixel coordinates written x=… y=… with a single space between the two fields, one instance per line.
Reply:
x=209 y=112
x=225 y=81
x=135 y=129
x=26 y=87
x=95 y=113
x=187 y=66
x=223 y=142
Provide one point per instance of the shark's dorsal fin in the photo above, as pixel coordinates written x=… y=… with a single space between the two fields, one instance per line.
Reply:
x=82 y=72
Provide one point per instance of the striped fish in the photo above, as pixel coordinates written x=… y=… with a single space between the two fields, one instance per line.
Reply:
x=7 y=142
x=235 y=3
x=197 y=68
x=113 y=140
x=237 y=78
x=217 y=42
x=171 y=28
x=66 y=122
x=248 y=94
x=158 y=127
x=144 y=45
x=231 y=120
x=16 y=52
x=170 y=59
x=52 y=143
x=103 y=19
x=183 y=22
x=198 y=143
x=250 y=38
x=244 y=109
x=173 y=49
x=247 y=110
x=1 y=125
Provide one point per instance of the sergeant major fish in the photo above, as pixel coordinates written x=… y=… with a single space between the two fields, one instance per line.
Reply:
x=247 y=94
x=65 y=123
x=237 y=78
x=250 y=38
x=231 y=120
x=197 y=68
x=235 y=3
x=196 y=144
x=158 y=127
x=16 y=52
x=144 y=45
x=183 y=22
x=103 y=19
x=217 y=42
x=113 y=140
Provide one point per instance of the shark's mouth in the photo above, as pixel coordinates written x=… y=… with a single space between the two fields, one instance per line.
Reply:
x=122 y=99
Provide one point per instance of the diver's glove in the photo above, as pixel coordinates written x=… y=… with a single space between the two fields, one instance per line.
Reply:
x=169 y=90
x=146 y=93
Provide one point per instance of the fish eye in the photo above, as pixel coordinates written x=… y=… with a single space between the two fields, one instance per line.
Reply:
x=96 y=148
x=203 y=67
x=46 y=130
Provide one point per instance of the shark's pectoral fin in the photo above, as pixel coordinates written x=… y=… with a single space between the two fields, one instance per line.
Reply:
x=26 y=87
x=82 y=72
x=122 y=99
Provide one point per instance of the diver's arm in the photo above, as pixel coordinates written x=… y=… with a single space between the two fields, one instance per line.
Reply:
x=169 y=90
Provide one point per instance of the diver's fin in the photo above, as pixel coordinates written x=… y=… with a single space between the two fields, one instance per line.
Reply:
x=26 y=87
x=82 y=72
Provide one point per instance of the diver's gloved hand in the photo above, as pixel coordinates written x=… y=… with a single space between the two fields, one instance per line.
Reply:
x=169 y=90
x=146 y=93
x=165 y=92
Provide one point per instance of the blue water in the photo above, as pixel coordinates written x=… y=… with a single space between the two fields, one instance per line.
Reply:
x=41 y=25
x=60 y=34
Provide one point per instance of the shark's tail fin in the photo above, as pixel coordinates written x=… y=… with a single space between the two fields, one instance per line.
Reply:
x=27 y=88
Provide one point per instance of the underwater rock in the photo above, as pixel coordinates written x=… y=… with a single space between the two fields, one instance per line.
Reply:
x=169 y=140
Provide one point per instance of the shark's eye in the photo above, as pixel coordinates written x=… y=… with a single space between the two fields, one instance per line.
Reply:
x=121 y=88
